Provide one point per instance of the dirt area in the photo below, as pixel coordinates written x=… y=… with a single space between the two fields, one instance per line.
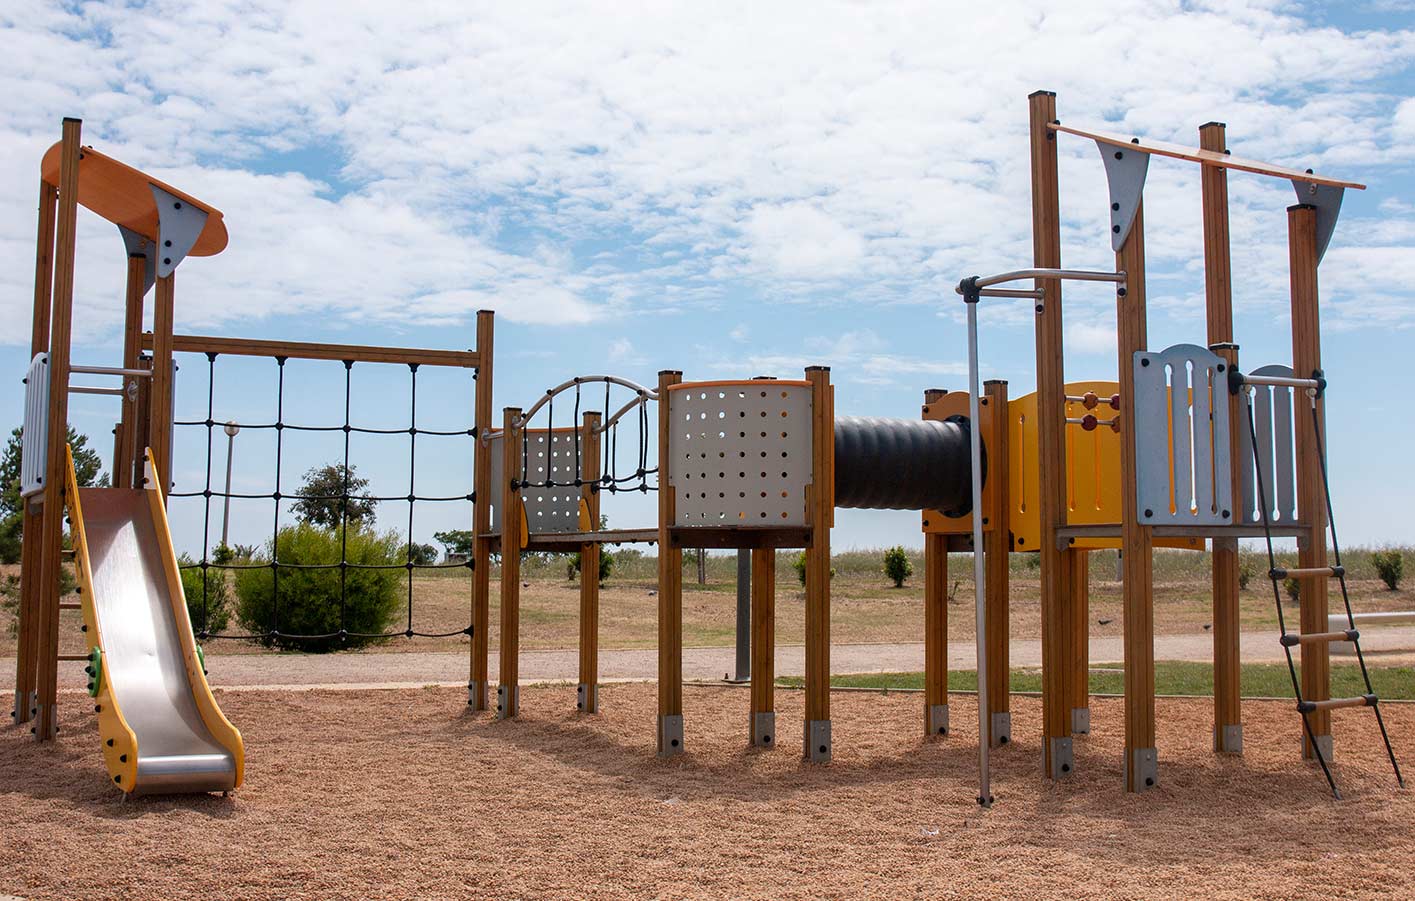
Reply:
x=863 y=610
x=403 y=794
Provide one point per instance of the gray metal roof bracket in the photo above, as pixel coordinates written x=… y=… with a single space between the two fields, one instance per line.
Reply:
x=137 y=244
x=1327 y=200
x=1125 y=170
x=179 y=224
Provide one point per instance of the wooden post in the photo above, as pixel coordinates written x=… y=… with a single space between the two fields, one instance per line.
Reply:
x=935 y=619
x=484 y=491
x=1141 y=763
x=588 y=692
x=50 y=550
x=1057 y=760
x=763 y=647
x=160 y=396
x=508 y=693
x=27 y=650
x=125 y=451
x=820 y=501
x=1079 y=675
x=670 y=587
x=997 y=542
x=1311 y=498
x=1218 y=292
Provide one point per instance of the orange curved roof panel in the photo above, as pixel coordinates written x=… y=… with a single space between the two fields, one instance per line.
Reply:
x=123 y=196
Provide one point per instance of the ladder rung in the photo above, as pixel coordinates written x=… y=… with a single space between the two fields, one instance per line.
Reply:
x=67 y=553
x=73 y=657
x=1316 y=572
x=1336 y=703
x=70 y=605
x=1293 y=639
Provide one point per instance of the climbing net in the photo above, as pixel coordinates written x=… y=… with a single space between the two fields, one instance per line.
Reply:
x=343 y=565
x=633 y=479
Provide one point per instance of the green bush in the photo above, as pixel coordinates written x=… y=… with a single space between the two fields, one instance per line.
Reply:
x=309 y=598
x=1245 y=575
x=897 y=565
x=1389 y=566
x=606 y=565
x=1293 y=589
x=798 y=563
x=218 y=597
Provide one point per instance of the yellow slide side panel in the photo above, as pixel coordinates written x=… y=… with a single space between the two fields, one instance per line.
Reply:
x=120 y=744
x=216 y=723
x=1092 y=470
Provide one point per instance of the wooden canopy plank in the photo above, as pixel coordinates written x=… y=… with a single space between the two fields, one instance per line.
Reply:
x=1206 y=157
x=252 y=347
x=121 y=194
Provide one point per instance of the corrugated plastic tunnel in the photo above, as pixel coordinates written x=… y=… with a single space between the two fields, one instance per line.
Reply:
x=904 y=464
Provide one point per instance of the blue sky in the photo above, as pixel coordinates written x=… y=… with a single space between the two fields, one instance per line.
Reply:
x=726 y=189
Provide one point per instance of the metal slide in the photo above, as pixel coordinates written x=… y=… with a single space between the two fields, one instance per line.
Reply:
x=160 y=727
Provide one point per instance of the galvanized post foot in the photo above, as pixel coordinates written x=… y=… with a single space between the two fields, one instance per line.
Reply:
x=1324 y=743
x=670 y=735
x=508 y=701
x=587 y=698
x=1229 y=739
x=1141 y=770
x=936 y=719
x=764 y=730
x=817 y=741
x=1001 y=732
x=1062 y=761
x=1080 y=721
x=476 y=695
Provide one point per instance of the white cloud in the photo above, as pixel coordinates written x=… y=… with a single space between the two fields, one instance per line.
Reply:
x=1085 y=337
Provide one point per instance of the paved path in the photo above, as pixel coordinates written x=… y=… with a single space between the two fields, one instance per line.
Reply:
x=450 y=667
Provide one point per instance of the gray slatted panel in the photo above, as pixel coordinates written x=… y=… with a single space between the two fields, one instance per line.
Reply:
x=740 y=455
x=34 y=446
x=548 y=510
x=1272 y=414
x=1180 y=416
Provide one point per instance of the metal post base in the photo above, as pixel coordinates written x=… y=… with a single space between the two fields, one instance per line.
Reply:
x=476 y=695
x=1323 y=742
x=1081 y=720
x=587 y=698
x=1143 y=763
x=1001 y=732
x=1062 y=761
x=1229 y=739
x=24 y=707
x=936 y=719
x=670 y=735
x=817 y=741
x=508 y=701
x=764 y=730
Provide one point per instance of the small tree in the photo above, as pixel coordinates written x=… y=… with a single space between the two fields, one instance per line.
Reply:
x=88 y=468
x=333 y=494
x=1389 y=566
x=455 y=541
x=1293 y=589
x=1245 y=575
x=606 y=565
x=798 y=563
x=421 y=554
x=897 y=565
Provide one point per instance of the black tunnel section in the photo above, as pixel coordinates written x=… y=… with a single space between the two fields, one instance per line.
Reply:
x=903 y=464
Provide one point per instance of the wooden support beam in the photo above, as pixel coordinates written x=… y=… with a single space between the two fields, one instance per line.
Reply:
x=27 y=649
x=997 y=542
x=1079 y=672
x=763 y=648
x=50 y=552
x=588 y=691
x=1218 y=294
x=126 y=452
x=820 y=509
x=935 y=633
x=1136 y=540
x=670 y=588
x=300 y=350
x=1051 y=439
x=160 y=397
x=1311 y=496
x=935 y=619
x=484 y=491
x=508 y=692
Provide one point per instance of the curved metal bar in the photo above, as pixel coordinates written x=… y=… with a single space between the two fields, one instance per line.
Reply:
x=640 y=399
x=1074 y=275
x=581 y=380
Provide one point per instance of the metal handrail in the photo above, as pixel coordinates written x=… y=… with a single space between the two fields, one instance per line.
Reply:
x=582 y=380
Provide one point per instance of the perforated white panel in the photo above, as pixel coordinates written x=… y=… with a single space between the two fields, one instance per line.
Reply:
x=740 y=455
x=550 y=456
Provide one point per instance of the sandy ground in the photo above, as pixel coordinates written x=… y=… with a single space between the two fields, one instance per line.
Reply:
x=399 y=794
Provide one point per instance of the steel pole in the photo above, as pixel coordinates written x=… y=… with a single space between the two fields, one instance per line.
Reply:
x=980 y=588
x=231 y=430
x=744 y=616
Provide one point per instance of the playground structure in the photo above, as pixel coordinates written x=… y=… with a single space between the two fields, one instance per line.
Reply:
x=1183 y=449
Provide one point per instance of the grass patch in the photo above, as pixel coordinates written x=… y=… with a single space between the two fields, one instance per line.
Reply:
x=1257 y=680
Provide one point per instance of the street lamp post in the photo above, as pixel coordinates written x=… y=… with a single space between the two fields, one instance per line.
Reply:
x=231 y=430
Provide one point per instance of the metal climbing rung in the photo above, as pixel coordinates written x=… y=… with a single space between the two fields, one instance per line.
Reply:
x=1278 y=381
x=1337 y=703
x=1316 y=572
x=1293 y=639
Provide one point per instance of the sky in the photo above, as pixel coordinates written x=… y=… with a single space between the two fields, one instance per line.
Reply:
x=726 y=189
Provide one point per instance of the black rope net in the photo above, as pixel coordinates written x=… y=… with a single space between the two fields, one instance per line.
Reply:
x=635 y=478
x=273 y=633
